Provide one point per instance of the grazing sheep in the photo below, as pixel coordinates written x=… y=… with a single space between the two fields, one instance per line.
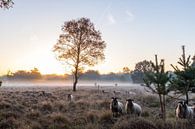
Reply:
x=70 y=97
x=116 y=107
x=130 y=93
x=132 y=108
x=103 y=91
x=183 y=111
x=116 y=92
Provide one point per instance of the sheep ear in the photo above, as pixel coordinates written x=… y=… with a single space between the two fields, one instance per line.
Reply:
x=112 y=98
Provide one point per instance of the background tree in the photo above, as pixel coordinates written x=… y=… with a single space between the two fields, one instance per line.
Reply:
x=157 y=81
x=140 y=69
x=33 y=74
x=6 y=4
x=79 y=46
x=126 y=70
x=185 y=76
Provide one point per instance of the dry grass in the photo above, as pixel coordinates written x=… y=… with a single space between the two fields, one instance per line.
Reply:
x=30 y=109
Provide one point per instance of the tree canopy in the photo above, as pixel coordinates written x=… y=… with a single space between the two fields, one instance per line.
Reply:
x=157 y=81
x=79 y=46
x=6 y=4
x=185 y=76
x=141 y=68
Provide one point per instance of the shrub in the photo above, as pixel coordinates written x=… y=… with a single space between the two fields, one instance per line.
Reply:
x=92 y=117
x=36 y=125
x=9 y=123
x=33 y=115
x=133 y=123
x=106 y=116
x=150 y=100
x=4 y=105
x=145 y=114
x=46 y=107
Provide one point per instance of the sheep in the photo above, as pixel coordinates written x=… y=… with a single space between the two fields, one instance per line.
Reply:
x=130 y=92
x=116 y=107
x=70 y=97
x=103 y=91
x=183 y=111
x=116 y=92
x=132 y=108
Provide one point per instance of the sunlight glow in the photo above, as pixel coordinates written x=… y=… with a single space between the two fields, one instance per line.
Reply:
x=133 y=31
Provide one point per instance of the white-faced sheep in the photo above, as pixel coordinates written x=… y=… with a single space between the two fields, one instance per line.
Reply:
x=184 y=111
x=70 y=97
x=116 y=107
x=133 y=108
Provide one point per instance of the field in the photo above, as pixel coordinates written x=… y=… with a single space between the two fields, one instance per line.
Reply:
x=48 y=108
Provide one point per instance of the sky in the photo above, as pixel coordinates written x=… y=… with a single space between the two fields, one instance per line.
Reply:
x=134 y=30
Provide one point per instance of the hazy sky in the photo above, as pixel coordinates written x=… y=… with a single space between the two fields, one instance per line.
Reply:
x=134 y=30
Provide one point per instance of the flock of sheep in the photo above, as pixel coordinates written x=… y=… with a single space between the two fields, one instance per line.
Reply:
x=131 y=107
x=182 y=110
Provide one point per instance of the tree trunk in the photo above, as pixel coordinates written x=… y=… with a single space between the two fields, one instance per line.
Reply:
x=164 y=107
x=75 y=78
x=187 y=97
x=75 y=82
x=161 y=104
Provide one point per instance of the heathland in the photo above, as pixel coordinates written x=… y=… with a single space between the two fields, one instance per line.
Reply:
x=43 y=107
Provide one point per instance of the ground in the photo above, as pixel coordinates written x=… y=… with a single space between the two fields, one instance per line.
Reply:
x=43 y=107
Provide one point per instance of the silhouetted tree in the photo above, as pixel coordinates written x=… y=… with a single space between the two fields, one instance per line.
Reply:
x=90 y=75
x=144 y=66
x=140 y=69
x=185 y=76
x=24 y=75
x=126 y=70
x=6 y=4
x=35 y=73
x=79 y=46
x=156 y=81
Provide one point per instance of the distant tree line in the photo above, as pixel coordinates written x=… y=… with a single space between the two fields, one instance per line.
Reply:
x=91 y=75
x=24 y=75
x=95 y=75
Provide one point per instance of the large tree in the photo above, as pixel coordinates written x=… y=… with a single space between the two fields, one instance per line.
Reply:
x=6 y=4
x=141 y=68
x=79 y=46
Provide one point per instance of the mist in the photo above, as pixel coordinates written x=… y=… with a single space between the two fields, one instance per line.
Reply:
x=66 y=83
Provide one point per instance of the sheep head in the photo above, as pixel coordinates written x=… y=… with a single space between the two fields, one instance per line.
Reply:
x=114 y=101
x=181 y=108
x=130 y=102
